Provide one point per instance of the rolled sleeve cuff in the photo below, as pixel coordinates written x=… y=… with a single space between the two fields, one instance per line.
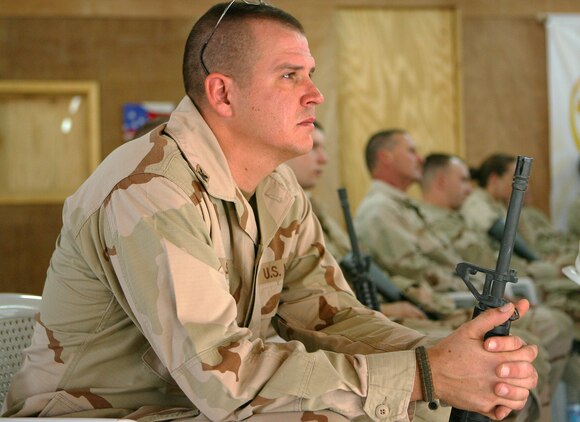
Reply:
x=391 y=379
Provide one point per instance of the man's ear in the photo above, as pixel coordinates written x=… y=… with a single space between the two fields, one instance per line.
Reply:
x=385 y=156
x=441 y=179
x=217 y=91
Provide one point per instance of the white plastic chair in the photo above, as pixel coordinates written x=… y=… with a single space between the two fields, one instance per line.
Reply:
x=16 y=326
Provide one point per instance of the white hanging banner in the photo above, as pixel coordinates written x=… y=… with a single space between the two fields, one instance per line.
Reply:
x=563 y=45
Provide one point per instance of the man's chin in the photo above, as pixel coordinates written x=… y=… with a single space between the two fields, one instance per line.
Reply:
x=302 y=149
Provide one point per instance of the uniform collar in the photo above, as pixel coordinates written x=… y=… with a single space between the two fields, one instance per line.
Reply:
x=391 y=191
x=199 y=145
x=201 y=149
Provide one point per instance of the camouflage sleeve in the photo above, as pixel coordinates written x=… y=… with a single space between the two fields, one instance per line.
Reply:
x=171 y=278
x=479 y=213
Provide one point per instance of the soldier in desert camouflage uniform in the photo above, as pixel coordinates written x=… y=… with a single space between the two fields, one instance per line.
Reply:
x=488 y=203
x=445 y=185
x=186 y=245
x=390 y=222
x=308 y=169
x=400 y=239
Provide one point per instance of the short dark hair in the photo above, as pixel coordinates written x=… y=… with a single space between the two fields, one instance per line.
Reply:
x=379 y=140
x=494 y=164
x=434 y=162
x=230 y=48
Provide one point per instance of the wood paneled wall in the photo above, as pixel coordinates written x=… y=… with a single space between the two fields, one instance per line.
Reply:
x=398 y=69
x=133 y=49
x=505 y=96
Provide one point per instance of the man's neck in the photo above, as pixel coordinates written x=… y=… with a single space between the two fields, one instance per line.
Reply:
x=437 y=200
x=396 y=182
x=248 y=177
x=247 y=166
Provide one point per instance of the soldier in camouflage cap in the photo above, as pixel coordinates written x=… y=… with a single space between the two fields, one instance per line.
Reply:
x=187 y=245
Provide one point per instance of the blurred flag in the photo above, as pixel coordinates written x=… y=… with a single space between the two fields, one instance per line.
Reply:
x=136 y=115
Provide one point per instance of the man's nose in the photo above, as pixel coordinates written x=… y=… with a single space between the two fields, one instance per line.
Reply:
x=313 y=96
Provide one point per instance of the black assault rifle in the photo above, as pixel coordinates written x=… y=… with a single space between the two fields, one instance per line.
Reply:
x=359 y=268
x=495 y=281
x=356 y=267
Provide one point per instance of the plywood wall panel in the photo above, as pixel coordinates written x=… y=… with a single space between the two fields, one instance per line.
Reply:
x=132 y=59
x=505 y=93
x=27 y=237
x=398 y=70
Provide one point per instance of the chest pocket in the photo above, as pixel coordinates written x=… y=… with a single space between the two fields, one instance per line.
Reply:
x=270 y=282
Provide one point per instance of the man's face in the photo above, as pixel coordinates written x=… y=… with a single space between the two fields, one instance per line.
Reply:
x=274 y=108
x=457 y=183
x=406 y=160
x=309 y=167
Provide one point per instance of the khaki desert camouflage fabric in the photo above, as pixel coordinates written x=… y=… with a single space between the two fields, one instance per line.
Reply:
x=538 y=230
x=552 y=328
x=476 y=246
x=438 y=303
x=557 y=291
x=335 y=237
x=389 y=224
x=480 y=210
x=338 y=244
x=162 y=286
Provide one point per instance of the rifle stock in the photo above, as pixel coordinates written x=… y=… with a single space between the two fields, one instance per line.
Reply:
x=495 y=280
x=355 y=265
x=365 y=290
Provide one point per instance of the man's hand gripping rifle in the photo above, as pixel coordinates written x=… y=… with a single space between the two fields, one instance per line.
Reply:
x=495 y=281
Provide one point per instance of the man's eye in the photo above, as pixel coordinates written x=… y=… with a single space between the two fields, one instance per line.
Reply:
x=289 y=75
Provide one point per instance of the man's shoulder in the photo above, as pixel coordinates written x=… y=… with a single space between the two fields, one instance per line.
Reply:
x=380 y=192
x=433 y=213
x=135 y=162
x=286 y=179
x=477 y=200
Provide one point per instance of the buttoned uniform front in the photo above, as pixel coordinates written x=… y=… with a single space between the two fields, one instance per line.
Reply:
x=164 y=281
